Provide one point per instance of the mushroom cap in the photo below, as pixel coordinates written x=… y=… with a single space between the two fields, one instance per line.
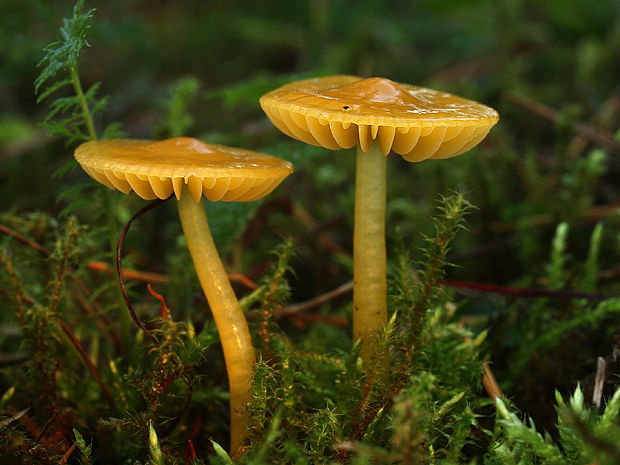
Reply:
x=158 y=168
x=342 y=111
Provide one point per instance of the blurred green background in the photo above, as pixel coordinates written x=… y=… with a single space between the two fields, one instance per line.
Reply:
x=563 y=52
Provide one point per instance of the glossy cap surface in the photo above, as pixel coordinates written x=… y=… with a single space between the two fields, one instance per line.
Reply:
x=156 y=169
x=342 y=111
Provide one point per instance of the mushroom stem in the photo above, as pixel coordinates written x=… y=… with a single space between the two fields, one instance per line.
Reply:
x=369 y=259
x=229 y=318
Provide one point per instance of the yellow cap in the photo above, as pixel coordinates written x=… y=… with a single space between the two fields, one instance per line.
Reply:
x=158 y=168
x=342 y=111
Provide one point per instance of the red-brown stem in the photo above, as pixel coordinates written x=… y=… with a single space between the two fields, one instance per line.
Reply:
x=158 y=278
x=24 y=240
x=91 y=366
x=119 y=268
x=192 y=449
x=522 y=291
x=65 y=457
x=165 y=311
x=490 y=383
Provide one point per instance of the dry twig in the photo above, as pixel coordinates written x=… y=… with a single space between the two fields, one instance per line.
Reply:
x=599 y=382
x=589 y=131
x=65 y=457
x=91 y=366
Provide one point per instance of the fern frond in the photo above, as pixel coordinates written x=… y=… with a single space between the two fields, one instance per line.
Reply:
x=70 y=116
x=64 y=53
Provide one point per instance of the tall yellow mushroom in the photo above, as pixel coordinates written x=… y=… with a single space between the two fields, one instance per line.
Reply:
x=378 y=116
x=190 y=168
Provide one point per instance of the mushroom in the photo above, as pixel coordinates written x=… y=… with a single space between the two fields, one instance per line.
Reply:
x=379 y=116
x=190 y=168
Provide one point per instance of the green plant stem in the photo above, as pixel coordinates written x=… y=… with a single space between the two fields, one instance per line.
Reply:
x=88 y=119
x=107 y=198
x=369 y=257
x=229 y=318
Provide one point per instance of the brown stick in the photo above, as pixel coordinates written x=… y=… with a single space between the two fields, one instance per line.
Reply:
x=25 y=299
x=315 y=302
x=65 y=457
x=522 y=291
x=301 y=307
x=24 y=240
x=134 y=275
x=595 y=134
x=16 y=416
x=490 y=384
x=302 y=320
x=157 y=278
x=599 y=381
x=240 y=278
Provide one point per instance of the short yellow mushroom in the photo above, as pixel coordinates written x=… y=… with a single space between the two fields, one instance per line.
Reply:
x=378 y=116
x=189 y=168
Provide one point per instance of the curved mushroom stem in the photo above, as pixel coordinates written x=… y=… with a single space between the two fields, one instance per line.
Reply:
x=369 y=259
x=229 y=318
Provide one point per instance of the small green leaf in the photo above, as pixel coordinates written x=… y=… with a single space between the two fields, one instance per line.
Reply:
x=556 y=268
x=612 y=409
x=221 y=453
x=65 y=168
x=6 y=397
x=157 y=456
x=85 y=450
x=592 y=263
